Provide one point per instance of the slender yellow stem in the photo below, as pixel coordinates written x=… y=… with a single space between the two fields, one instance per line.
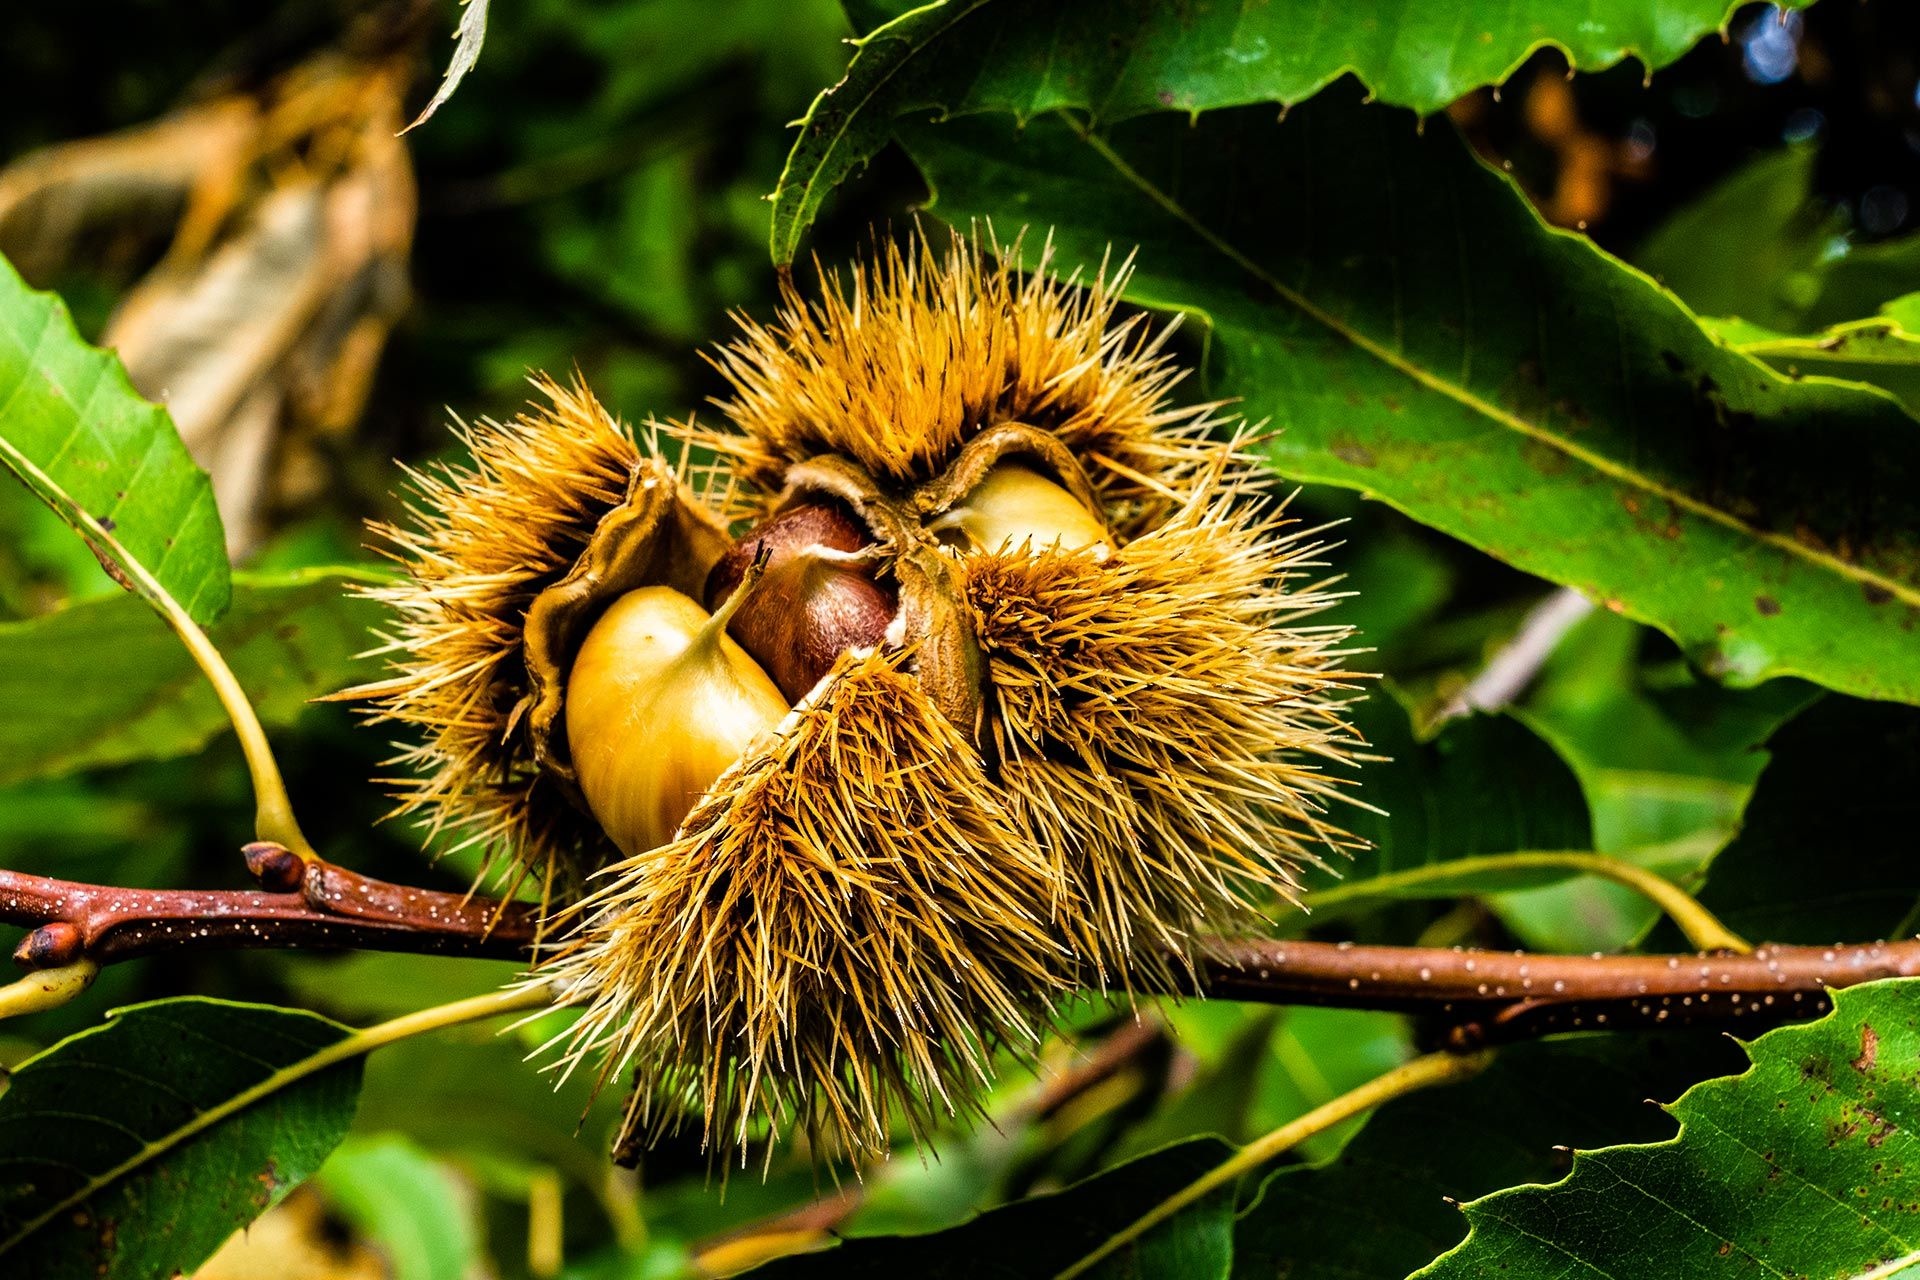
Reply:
x=1702 y=928
x=1410 y=1077
x=546 y=1252
x=516 y=999
x=493 y=1004
x=273 y=810
x=619 y=1192
x=46 y=988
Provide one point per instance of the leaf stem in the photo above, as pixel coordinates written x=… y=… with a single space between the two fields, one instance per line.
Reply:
x=1421 y=1073
x=1702 y=928
x=273 y=810
x=515 y=999
x=46 y=988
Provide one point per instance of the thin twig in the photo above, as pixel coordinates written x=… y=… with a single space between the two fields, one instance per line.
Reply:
x=1494 y=996
x=1480 y=997
x=1510 y=670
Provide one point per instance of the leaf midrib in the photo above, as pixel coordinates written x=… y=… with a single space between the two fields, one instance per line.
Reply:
x=1473 y=402
x=329 y=1055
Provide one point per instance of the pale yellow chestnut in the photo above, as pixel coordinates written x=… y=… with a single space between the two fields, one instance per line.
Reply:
x=660 y=702
x=1015 y=506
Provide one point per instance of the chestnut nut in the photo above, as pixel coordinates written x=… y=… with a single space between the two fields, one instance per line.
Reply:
x=817 y=599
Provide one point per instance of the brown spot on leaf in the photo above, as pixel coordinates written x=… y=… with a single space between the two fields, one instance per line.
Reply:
x=1352 y=452
x=1767 y=605
x=1543 y=457
x=269 y=1181
x=1869 y=1048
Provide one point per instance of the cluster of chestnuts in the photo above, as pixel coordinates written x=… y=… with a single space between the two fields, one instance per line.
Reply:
x=799 y=590
x=965 y=670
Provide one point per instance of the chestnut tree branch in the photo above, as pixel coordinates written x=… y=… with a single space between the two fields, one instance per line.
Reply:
x=1494 y=996
x=300 y=903
x=1479 y=997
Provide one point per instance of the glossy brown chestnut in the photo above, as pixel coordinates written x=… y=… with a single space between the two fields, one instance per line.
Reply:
x=816 y=599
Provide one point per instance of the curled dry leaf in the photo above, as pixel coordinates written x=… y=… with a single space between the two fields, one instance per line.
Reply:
x=261 y=325
x=468 y=37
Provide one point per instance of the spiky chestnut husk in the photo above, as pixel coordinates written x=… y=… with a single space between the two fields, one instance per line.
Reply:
x=1056 y=767
x=484 y=542
x=1163 y=728
x=923 y=350
x=844 y=933
x=1152 y=724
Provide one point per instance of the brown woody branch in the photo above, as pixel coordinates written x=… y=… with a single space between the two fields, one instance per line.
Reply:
x=299 y=904
x=1496 y=996
x=1480 y=996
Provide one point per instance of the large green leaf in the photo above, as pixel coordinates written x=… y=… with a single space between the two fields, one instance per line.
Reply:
x=1667 y=761
x=1762 y=247
x=1485 y=785
x=1807 y=1164
x=1751 y=246
x=1040 y=1235
x=105 y=681
x=1382 y=1207
x=1117 y=60
x=1378 y=1209
x=1771 y=263
x=77 y=434
x=1418 y=333
x=123 y=1154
